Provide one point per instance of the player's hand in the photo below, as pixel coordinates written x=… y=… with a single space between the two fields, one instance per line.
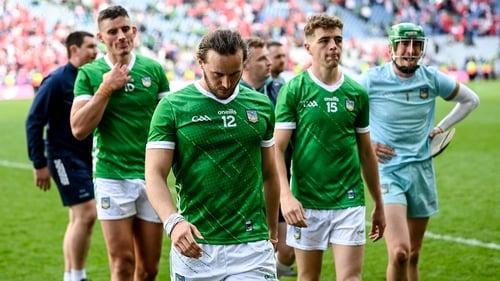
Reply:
x=383 y=152
x=293 y=212
x=42 y=178
x=378 y=224
x=435 y=131
x=115 y=79
x=183 y=240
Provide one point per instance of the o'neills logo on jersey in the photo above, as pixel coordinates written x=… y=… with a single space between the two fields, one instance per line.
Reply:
x=146 y=81
x=252 y=116
x=349 y=104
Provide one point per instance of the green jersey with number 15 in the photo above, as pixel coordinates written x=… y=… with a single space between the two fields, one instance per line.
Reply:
x=120 y=138
x=326 y=173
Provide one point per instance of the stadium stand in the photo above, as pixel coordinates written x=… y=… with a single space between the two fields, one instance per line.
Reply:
x=32 y=42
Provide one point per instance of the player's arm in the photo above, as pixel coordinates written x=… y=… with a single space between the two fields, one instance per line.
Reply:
x=292 y=209
x=271 y=190
x=35 y=125
x=466 y=99
x=157 y=167
x=369 y=169
x=86 y=114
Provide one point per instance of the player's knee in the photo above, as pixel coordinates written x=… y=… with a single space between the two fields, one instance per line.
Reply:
x=286 y=255
x=414 y=257
x=401 y=255
x=147 y=274
x=123 y=266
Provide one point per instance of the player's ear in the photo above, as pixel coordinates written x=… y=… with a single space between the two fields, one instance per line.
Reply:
x=73 y=49
x=200 y=61
x=307 y=46
x=99 y=37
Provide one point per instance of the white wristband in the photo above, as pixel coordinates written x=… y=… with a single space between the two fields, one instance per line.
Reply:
x=169 y=224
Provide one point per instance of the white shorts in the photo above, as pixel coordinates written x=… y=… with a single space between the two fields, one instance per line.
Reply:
x=246 y=261
x=119 y=199
x=325 y=227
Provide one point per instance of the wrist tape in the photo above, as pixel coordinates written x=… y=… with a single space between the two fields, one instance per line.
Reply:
x=169 y=224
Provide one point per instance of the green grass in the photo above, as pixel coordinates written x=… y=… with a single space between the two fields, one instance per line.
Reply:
x=33 y=222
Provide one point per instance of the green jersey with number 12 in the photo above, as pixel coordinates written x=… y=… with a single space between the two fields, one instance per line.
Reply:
x=217 y=159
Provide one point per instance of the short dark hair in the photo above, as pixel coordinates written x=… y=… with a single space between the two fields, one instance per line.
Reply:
x=76 y=38
x=222 y=41
x=111 y=12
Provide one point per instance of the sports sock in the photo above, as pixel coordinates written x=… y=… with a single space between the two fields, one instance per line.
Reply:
x=67 y=276
x=78 y=275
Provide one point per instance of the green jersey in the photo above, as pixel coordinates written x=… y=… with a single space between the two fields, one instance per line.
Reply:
x=217 y=159
x=120 y=138
x=326 y=171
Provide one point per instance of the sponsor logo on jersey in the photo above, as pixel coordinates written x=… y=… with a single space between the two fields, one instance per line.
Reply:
x=105 y=202
x=146 y=81
x=200 y=118
x=227 y=112
x=179 y=277
x=349 y=104
x=252 y=116
x=424 y=93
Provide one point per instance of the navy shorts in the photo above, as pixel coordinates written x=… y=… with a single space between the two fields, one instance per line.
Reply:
x=73 y=178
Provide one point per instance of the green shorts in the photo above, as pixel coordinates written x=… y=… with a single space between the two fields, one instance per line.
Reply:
x=412 y=185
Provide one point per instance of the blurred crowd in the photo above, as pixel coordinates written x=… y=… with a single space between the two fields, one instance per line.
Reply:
x=32 y=32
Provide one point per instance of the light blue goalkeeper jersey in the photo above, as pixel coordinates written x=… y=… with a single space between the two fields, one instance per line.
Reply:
x=402 y=110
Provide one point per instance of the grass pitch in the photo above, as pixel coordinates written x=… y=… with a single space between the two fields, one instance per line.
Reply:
x=462 y=243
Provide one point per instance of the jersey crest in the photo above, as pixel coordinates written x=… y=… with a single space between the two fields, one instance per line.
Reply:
x=424 y=93
x=146 y=81
x=252 y=115
x=349 y=104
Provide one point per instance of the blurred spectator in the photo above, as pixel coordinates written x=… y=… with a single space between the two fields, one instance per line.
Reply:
x=31 y=42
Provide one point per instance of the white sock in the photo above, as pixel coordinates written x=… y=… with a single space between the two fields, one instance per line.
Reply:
x=67 y=276
x=78 y=275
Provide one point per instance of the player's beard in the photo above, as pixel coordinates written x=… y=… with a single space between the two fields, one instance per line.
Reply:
x=220 y=92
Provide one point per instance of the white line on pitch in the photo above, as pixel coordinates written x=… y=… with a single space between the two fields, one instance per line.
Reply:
x=15 y=165
x=459 y=240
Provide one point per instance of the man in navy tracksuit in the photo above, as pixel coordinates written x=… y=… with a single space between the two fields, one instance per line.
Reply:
x=62 y=157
